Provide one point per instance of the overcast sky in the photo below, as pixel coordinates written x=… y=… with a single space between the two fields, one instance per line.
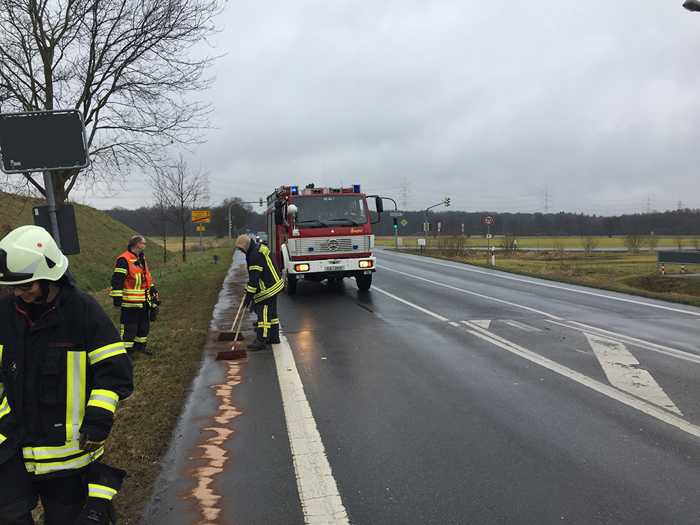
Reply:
x=494 y=104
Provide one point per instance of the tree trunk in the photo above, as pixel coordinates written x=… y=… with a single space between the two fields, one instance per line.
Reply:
x=165 y=242
x=184 y=243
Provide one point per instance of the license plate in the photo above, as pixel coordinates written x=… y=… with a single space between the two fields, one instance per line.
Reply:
x=333 y=268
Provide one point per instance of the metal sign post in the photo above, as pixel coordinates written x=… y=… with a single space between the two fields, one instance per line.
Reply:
x=51 y=199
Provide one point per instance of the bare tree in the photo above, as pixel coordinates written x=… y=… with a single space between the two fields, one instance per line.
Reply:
x=633 y=242
x=590 y=243
x=179 y=190
x=126 y=65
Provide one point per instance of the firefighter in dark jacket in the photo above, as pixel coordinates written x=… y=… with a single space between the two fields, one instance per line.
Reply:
x=133 y=291
x=63 y=371
x=264 y=284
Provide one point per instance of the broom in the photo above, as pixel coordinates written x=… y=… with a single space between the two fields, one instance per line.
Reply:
x=233 y=354
x=229 y=335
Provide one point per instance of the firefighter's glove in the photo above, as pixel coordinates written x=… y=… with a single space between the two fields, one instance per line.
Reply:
x=96 y=427
x=153 y=314
x=97 y=511
x=248 y=300
x=117 y=301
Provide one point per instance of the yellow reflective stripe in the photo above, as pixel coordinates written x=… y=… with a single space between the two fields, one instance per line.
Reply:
x=271 y=266
x=2 y=439
x=128 y=344
x=105 y=399
x=75 y=393
x=71 y=448
x=269 y=292
x=132 y=305
x=255 y=268
x=250 y=289
x=140 y=339
x=265 y=322
x=116 y=293
x=101 y=491
x=70 y=464
x=105 y=352
x=4 y=407
x=121 y=270
x=2 y=347
x=138 y=281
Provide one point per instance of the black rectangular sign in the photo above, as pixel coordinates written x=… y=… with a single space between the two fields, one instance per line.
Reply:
x=42 y=141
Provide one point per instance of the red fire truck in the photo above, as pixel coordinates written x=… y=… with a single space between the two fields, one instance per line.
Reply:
x=322 y=233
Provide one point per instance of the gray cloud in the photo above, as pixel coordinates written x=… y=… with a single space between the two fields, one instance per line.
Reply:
x=488 y=102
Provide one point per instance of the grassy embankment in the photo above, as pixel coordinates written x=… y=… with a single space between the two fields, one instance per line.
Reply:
x=145 y=421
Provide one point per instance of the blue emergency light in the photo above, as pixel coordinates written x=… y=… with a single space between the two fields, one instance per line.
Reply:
x=356 y=188
x=295 y=190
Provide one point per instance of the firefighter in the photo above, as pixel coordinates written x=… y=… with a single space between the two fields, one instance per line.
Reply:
x=63 y=371
x=264 y=283
x=133 y=291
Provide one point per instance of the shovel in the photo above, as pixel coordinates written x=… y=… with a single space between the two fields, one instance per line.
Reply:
x=233 y=354
x=229 y=335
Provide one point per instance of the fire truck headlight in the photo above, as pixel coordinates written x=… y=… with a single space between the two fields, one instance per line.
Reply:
x=301 y=267
x=366 y=264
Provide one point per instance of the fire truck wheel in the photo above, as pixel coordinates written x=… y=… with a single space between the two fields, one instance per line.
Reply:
x=291 y=281
x=364 y=282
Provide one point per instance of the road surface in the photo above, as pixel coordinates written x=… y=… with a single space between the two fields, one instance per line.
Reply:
x=450 y=394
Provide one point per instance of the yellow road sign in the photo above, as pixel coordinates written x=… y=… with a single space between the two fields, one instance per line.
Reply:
x=201 y=228
x=201 y=216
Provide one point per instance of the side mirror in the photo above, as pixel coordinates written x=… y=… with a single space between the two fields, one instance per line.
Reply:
x=379 y=203
x=292 y=210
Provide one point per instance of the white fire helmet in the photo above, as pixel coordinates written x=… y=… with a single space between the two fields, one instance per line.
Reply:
x=29 y=254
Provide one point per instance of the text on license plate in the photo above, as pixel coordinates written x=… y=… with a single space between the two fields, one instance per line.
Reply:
x=334 y=268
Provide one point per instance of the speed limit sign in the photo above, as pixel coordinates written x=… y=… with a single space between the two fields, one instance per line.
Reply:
x=488 y=220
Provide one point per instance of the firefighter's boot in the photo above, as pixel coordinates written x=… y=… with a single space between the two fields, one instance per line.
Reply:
x=258 y=345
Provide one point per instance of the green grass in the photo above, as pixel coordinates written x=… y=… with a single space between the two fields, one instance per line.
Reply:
x=622 y=272
x=552 y=243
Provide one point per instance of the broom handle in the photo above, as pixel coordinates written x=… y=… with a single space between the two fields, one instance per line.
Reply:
x=235 y=320
x=240 y=324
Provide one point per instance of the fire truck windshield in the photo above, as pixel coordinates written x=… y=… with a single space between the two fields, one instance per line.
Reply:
x=330 y=210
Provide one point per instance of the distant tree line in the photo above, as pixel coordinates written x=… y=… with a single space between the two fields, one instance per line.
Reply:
x=677 y=222
x=155 y=221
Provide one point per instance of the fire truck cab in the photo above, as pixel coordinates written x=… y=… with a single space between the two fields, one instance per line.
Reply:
x=322 y=233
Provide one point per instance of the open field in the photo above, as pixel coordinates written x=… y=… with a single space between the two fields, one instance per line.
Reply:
x=622 y=272
x=547 y=243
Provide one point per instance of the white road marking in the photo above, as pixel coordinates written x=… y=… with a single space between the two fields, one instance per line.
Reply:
x=623 y=371
x=654 y=347
x=452 y=323
x=412 y=305
x=500 y=275
x=485 y=323
x=469 y=292
x=613 y=393
x=522 y=326
x=318 y=491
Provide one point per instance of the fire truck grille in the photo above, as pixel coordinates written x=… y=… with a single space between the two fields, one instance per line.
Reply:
x=330 y=245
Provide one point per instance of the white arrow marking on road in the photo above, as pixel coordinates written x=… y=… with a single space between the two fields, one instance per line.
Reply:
x=623 y=372
x=318 y=491
x=485 y=323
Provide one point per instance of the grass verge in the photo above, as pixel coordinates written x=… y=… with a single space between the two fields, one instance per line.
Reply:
x=633 y=274
x=146 y=421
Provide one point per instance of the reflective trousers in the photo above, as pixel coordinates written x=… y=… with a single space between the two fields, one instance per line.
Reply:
x=134 y=328
x=268 y=326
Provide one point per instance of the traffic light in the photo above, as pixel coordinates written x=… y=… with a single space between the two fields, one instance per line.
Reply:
x=447 y=202
x=396 y=224
x=261 y=202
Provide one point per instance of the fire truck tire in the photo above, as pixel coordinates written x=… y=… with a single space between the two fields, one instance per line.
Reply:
x=364 y=282
x=291 y=284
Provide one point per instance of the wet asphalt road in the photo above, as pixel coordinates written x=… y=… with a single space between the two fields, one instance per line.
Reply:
x=435 y=406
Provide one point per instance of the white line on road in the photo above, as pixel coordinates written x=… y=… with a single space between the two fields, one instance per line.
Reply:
x=522 y=326
x=412 y=305
x=469 y=292
x=623 y=371
x=500 y=275
x=612 y=393
x=318 y=491
x=483 y=323
x=654 y=347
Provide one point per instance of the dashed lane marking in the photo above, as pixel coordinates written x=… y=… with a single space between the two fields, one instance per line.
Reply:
x=320 y=499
